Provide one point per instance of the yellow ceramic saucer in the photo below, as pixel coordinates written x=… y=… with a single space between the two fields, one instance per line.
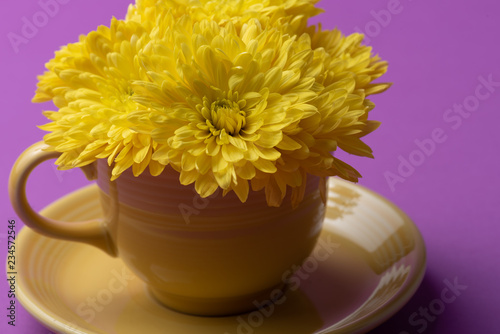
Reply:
x=368 y=263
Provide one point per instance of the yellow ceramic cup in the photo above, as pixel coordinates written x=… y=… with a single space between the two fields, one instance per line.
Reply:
x=212 y=256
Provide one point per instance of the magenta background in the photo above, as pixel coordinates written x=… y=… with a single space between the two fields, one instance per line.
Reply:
x=436 y=50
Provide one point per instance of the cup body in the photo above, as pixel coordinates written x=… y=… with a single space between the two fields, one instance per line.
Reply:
x=212 y=256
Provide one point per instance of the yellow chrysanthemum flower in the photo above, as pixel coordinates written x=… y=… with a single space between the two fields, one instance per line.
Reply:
x=291 y=15
x=90 y=82
x=256 y=105
x=231 y=100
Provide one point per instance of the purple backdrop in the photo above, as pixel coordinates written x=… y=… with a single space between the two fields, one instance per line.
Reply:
x=435 y=151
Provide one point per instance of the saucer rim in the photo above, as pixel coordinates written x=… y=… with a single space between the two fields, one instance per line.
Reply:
x=54 y=322
x=399 y=300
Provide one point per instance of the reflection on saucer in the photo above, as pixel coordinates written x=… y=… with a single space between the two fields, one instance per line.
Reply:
x=378 y=231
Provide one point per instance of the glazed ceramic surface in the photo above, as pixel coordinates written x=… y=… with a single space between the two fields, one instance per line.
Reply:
x=203 y=256
x=206 y=256
x=369 y=261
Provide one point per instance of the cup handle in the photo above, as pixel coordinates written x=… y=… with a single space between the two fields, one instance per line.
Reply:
x=92 y=232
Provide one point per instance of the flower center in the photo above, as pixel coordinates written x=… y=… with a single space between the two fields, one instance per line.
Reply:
x=228 y=116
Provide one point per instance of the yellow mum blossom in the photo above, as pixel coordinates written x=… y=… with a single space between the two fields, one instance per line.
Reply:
x=254 y=105
x=236 y=95
x=291 y=15
x=90 y=83
x=344 y=72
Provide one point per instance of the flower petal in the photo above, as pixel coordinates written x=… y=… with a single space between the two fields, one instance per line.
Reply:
x=232 y=153
x=206 y=185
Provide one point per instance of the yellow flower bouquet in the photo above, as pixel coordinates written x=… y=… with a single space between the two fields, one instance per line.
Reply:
x=231 y=97
x=237 y=95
